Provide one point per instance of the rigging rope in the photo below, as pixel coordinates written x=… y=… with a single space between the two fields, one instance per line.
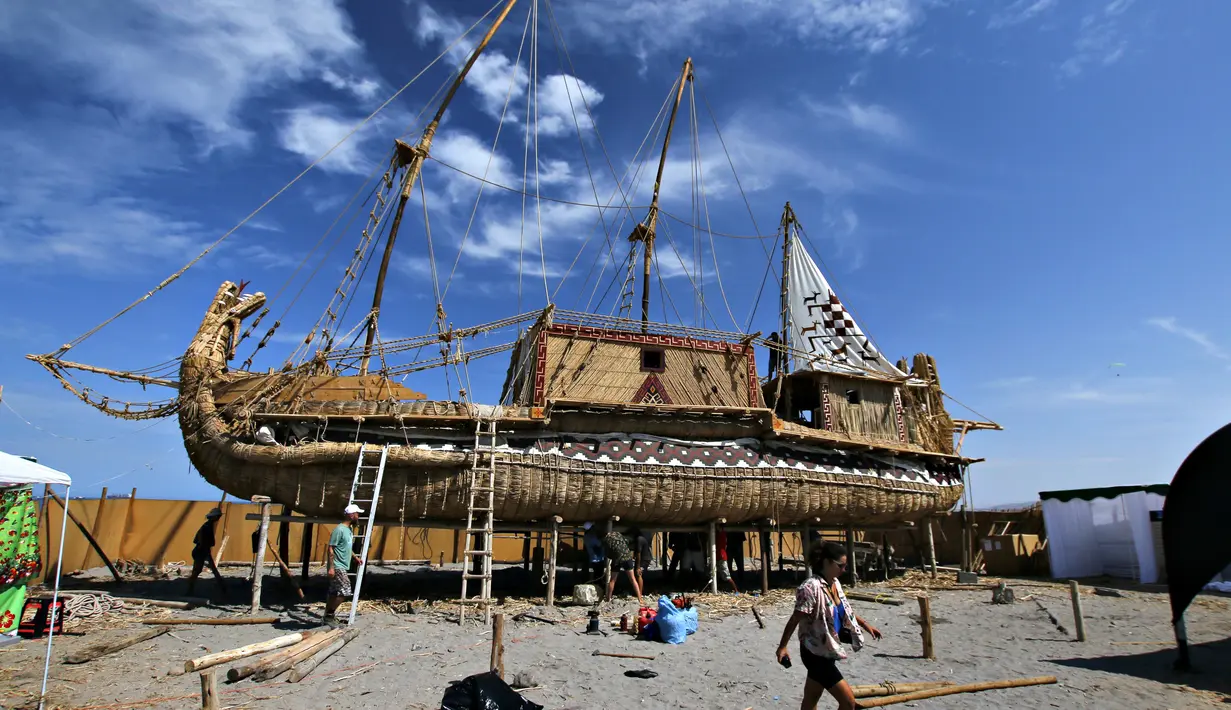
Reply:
x=173 y=277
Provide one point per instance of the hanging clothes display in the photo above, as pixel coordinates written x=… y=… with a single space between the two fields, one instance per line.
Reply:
x=19 y=552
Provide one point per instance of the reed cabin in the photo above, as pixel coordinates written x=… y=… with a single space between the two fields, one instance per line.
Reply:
x=610 y=365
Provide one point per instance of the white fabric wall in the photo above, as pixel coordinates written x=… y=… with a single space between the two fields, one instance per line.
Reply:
x=1111 y=537
x=1071 y=545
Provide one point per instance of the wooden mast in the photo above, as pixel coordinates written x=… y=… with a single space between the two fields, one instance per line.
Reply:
x=412 y=157
x=784 y=353
x=645 y=231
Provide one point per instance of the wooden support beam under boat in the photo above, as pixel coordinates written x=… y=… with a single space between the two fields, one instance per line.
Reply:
x=551 y=559
x=258 y=568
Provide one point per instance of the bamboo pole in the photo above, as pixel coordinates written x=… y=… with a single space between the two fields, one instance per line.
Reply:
x=209 y=691
x=712 y=549
x=955 y=689
x=302 y=668
x=551 y=560
x=258 y=567
x=1079 y=620
x=95 y=528
x=252 y=649
x=889 y=688
x=89 y=538
x=498 y=644
x=925 y=622
x=224 y=621
x=286 y=571
x=107 y=646
x=931 y=549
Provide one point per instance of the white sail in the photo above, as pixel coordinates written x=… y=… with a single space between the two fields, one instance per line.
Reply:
x=822 y=327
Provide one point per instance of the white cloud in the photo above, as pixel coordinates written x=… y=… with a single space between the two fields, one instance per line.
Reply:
x=1198 y=338
x=562 y=101
x=1100 y=40
x=195 y=62
x=309 y=131
x=493 y=77
x=868 y=118
x=651 y=26
x=364 y=89
x=1020 y=11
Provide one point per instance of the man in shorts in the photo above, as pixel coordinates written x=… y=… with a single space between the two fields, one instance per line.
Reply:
x=724 y=569
x=337 y=563
x=621 y=556
x=202 y=552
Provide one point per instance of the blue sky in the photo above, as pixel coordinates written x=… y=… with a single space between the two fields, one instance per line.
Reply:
x=1030 y=191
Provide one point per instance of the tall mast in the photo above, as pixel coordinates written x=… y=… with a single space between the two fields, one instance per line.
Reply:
x=645 y=231
x=788 y=224
x=412 y=157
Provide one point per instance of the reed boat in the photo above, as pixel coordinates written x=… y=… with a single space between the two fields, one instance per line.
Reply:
x=600 y=414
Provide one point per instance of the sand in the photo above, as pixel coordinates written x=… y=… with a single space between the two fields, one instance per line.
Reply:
x=403 y=660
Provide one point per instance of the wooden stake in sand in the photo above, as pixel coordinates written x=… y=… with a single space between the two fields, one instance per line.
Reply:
x=1078 y=620
x=757 y=615
x=301 y=669
x=931 y=549
x=209 y=691
x=223 y=621
x=251 y=649
x=258 y=568
x=498 y=644
x=890 y=688
x=955 y=689
x=551 y=559
x=925 y=622
x=89 y=538
x=101 y=648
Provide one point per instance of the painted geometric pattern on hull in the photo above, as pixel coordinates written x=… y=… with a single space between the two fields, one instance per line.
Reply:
x=743 y=453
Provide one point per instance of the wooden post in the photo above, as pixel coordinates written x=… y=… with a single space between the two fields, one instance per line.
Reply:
x=262 y=541
x=606 y=566
x=95 y=529
x=925 y=621
x=457 y=546
x=781 y=548
x=128 y=525
x=305 y=550
x=89 y=538
x=525 y=553
x=931 y=549
x=209 y=691
x=763 y=545
x=554 y=544
x=712 y=549
x=807 y=545
x=498 y=644
x=284 y=536
x=1079 y=621
x=852 y=567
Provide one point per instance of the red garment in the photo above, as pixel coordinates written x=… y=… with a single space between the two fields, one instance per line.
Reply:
x=721 y=544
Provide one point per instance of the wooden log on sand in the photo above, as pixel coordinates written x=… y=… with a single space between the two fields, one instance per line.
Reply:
x=273 y=667
x=302 y=668
x=757 y=615
x=251 y=649
x=878 y=598
x=955 y=689
x=888 y=688
x=222 y=621
x=103 y=647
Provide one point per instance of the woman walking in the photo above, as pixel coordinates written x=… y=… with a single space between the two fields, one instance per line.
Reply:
x=825 y=622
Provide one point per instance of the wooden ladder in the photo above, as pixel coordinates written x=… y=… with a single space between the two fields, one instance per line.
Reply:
x=365 y=493
x=480 y=522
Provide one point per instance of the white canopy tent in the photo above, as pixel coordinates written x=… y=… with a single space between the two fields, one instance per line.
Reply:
x=15 y=470
x=1102 y=531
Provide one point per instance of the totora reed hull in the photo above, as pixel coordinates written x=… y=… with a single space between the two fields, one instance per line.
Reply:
x=647 y=465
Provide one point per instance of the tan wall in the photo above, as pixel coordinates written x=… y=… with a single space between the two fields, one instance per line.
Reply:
x=612 y=373
x=160 y=531
x=874 y=417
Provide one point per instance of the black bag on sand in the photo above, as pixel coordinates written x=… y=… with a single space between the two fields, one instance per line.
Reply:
x=484 y=691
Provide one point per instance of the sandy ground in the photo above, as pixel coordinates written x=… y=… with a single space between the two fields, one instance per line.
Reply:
x=405 y=660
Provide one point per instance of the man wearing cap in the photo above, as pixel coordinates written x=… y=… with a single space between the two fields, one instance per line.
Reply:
x=337 y=563
x=202 y=546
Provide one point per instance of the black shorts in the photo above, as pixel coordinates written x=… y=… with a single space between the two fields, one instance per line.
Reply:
x=822 y=670
x=625 y=566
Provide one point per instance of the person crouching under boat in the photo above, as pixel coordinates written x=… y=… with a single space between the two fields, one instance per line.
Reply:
x=825 y=622
x=621 y=556
x=337 y=563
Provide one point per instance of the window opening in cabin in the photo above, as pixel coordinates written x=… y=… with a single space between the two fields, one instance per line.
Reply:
x=853 y=397
x=653 y=360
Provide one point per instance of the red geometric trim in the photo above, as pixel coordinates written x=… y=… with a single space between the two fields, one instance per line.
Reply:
x=539 y=394
x=652 y=386
x=899 y=411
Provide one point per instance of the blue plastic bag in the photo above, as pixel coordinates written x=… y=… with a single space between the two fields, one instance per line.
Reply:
x=674 y=624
